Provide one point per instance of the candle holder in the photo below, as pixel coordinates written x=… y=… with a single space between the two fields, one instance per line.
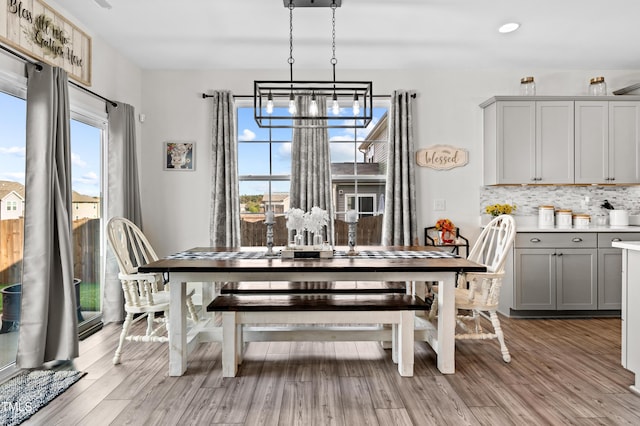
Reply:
x=351 y=238
x=269 y=239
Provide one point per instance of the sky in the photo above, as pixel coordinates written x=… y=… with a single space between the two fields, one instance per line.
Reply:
x=85 y=148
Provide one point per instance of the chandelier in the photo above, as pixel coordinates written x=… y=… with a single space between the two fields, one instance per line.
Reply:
x=341 y=97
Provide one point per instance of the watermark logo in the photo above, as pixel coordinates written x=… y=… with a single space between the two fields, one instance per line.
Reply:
x=16 y=407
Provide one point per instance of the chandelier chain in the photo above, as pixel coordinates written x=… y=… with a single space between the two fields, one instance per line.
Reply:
x=334 y=61
x=291 y=60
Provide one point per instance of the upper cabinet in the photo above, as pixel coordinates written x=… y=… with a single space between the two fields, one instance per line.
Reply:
x=607 y=142
x=561 y=140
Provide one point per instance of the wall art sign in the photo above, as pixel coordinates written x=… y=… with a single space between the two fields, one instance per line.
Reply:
x=35 y=29
x=179 y=156
x=442 y=157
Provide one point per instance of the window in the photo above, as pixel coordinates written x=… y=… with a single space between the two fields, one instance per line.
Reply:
x=358 y=168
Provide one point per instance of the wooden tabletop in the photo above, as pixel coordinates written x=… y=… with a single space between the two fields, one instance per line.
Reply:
x=345 y=264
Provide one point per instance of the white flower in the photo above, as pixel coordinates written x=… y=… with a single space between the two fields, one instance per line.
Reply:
x=295 y=220
x=316 y=220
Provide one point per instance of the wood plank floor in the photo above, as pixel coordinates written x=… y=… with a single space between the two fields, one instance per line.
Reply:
x=563 y=372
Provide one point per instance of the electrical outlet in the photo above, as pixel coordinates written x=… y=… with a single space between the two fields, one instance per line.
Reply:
x=439 y=204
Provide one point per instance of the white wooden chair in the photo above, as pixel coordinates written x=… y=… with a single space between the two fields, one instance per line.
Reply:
x=144 y=293
x=478 y=293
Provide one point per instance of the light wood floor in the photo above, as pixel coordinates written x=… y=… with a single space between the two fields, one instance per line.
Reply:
x=562 y=372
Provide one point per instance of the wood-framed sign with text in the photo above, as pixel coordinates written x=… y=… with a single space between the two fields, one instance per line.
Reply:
x=442 y=157
x=35 y=29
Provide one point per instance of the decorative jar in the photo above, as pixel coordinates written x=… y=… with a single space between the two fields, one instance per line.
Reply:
x=597 y=87
x=527 y=86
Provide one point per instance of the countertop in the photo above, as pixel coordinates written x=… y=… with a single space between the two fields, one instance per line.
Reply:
x=630 y=245
x=590 y=229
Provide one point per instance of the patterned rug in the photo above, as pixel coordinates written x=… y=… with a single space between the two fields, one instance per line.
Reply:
x=26 y=393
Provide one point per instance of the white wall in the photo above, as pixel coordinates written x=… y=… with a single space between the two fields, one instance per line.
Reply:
x=176 y=204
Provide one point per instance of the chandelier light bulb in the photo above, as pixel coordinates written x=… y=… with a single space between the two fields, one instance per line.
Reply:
x=292 y=104
x=313 y=107
x=335 y=108
x=356 y=105
x=269 y=103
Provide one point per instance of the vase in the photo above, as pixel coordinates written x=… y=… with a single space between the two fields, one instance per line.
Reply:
x=298 y=240
x=446 y=237
x=317 y=240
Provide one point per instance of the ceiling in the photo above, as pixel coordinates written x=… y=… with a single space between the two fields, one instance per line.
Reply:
x=370 y=34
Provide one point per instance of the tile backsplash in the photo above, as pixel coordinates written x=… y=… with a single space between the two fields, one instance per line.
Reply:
x=580 y=199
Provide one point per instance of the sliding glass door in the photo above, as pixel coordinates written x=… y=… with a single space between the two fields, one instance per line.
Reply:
x=88 y=141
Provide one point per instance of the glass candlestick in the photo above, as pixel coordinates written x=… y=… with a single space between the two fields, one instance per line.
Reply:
x=351 y=238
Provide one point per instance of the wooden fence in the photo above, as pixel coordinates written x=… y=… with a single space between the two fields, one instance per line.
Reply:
x=86 y=243
x=86 y=250
x=369 y=232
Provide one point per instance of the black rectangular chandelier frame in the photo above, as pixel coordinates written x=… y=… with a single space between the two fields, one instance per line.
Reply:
x=280 y=92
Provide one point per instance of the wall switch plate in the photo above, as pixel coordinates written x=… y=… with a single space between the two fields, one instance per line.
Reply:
x=439 y=204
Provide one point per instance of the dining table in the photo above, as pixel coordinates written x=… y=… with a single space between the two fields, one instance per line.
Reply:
x=415 y=265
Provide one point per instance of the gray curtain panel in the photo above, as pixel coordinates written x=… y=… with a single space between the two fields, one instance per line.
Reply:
x=399 y=224
x=224 y=225
x=48 y=324
x=123 y=195
x=311 y=165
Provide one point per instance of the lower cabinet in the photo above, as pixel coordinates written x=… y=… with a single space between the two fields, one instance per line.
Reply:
x=556 y=279
x=563 y=271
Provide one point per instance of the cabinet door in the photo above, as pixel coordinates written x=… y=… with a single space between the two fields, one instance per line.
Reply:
x=516 y=142
x=624 y=142
x=554 y=159
x=577 y=279
x=609 y=278
x=535 y=277
x=592 y=142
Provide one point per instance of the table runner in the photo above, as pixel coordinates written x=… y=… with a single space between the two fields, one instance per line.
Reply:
x=362 y=254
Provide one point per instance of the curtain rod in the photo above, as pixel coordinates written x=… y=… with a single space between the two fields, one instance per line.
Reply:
x=73 y=83
x=205 y=96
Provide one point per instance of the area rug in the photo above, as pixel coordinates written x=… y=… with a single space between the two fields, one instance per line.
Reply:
x=23 y=395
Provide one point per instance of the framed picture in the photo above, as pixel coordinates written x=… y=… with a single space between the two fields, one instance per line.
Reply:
x=179 y=156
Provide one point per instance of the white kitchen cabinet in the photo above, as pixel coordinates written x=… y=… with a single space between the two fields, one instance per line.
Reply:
x=556 y=271
x=561 y=140
x=607 y=142
x=529 y=142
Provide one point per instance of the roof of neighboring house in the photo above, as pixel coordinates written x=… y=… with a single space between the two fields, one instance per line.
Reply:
x=81 y=198
x=378 y=133
x=275 y=197
x=7 y=186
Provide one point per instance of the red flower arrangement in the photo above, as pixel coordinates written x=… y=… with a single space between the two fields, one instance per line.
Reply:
x=446 y=228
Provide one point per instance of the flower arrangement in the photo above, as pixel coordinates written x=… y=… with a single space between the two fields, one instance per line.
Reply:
x=498 y=209
x=316 y=220
x=295 y=220
x=446 y=229
x=445 y=225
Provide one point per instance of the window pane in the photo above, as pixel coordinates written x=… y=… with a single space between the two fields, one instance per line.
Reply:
x=12 y=173
x=86 y=160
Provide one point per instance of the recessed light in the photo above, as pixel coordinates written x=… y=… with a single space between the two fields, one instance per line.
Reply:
x=509 y=27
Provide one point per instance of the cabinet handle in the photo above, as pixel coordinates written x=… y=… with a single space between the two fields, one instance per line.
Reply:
x=535 y=240
x=559 y=254
x=612 y=178
x=577 y=240
x=616 y=240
